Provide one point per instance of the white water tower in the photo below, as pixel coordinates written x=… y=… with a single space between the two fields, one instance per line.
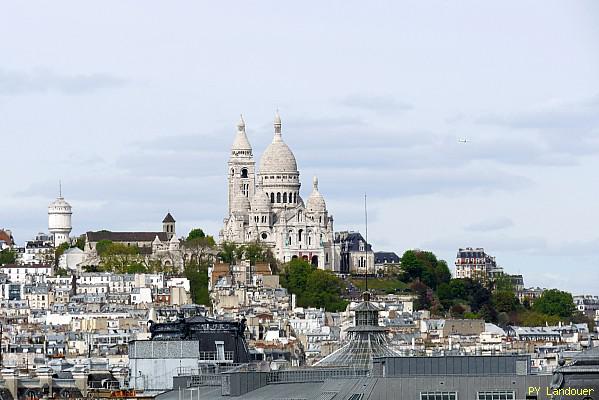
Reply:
x=59 y=220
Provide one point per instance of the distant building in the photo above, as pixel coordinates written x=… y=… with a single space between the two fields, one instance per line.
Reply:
x=6 y=239
x=267 y=206
x=18 y=273
x=352 y=254
x=530 y=294
x=71 y=259
x=385 y=260
x=476 y=264
x=36 y=251
x=59 y=220
x=587 y=304
x=154 y=245
x=186 y=344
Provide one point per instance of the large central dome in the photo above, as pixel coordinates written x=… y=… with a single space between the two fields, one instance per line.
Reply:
x=278 y=157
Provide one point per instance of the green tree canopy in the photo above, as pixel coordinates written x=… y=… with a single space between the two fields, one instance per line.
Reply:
x=424 y=266
x=7 y=256
x=195 y=234
x=197 y=273
x=313 y=287
x=228 y=252
x=555 y=302
x=324 y=289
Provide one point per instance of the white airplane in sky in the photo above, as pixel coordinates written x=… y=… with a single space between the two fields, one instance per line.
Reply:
x=464 y=140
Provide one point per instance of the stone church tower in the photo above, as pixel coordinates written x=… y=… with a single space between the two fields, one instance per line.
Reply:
x=241 y=167
x=270 y=208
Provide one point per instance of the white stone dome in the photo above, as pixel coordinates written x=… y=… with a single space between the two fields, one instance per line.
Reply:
x=278 y=157
x=260 y=201
x=316 y=202
x=60 y=204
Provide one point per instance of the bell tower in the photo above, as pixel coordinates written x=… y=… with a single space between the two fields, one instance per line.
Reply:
x=241 y=176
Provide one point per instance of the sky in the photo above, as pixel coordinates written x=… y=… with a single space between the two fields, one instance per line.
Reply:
x=133 y=106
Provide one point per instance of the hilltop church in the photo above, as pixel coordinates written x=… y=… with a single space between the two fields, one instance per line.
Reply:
x=267 y=206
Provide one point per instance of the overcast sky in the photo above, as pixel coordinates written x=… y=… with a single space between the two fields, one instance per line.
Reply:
x=134 y=105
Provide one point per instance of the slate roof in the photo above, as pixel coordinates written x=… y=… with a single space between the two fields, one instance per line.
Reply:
x=168 y=218
x=126 y=236
x=382 y=257
x=352 y=240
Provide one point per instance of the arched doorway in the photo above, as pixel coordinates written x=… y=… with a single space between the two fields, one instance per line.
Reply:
x=315 y=261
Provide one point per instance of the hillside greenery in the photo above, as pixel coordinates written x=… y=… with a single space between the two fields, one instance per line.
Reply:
x=313 y=287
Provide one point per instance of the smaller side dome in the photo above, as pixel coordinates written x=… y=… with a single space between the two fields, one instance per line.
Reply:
x=316 y=202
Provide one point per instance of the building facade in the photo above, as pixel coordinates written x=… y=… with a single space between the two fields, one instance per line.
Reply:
x=476 y=264
x=266 y=206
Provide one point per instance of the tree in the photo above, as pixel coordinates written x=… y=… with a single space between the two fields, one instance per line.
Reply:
x=555 y=302
x=227 y=252
x=424 y=266
x=503 y=282
x=324 y=289
x=411 y=266
x=295 y=275
x=313 y=287
x=59 y=251
x=201 y=248
x=198 y=233
x=457 y=311
x=102 y=246
x=195 y=234
x=424 y=295
x=504 y=301
x=80 y=243
x=197 y=273
x=7 y=256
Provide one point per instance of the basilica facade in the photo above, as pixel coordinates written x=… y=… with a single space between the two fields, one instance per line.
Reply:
x=266 y=205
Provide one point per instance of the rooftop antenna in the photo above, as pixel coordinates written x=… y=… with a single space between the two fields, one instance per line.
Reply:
x=366 y=246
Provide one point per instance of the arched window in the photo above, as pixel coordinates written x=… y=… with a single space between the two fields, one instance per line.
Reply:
x=272 y=197
x=290 y=197
x=244 y=173
x=309 y=240
x=285 y=197
x=320 y=219
x=295 y=197
x=299 y=235
x=278 y=197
